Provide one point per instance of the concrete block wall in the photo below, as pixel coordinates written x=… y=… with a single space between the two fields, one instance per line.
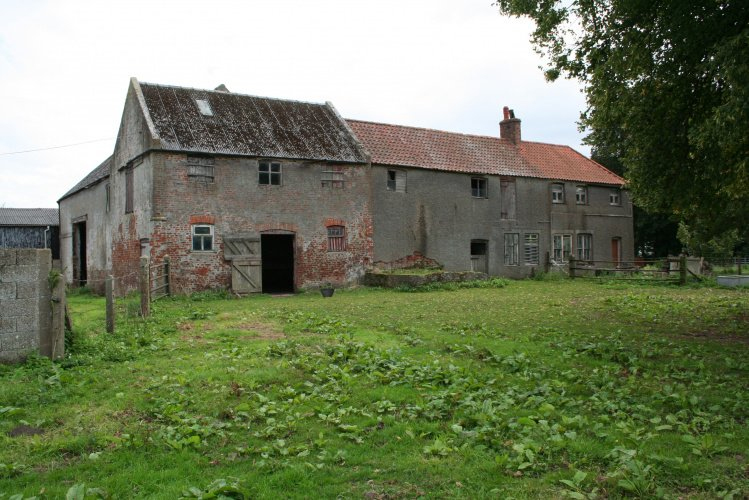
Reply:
x=25 y=302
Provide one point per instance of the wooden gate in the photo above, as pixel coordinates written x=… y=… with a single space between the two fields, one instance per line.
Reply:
x=244 y=253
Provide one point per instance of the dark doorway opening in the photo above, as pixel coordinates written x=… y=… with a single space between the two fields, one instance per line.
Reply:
x=278 y=262
x=479 y=262
x=80 y=274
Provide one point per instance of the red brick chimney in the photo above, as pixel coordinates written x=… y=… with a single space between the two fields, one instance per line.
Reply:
x=509 y=128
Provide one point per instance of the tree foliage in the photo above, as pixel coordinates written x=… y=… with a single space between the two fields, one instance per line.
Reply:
x=667 y=87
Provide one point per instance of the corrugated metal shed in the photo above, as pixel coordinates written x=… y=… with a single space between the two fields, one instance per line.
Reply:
x=29 y=217
x=221 y=122
x=96 y=175
x=438 y=150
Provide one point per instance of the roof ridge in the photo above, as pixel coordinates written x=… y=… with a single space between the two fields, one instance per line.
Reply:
x=591 y=160
x=427 y=129
x=240 y=94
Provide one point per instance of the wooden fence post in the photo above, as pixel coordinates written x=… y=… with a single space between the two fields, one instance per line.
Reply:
x=571 y=264
x=167 y=276
x=109 y=292
x=145 y=287
x=682 y=269
x=738 y=266
x=547 y=263
x=59 y=309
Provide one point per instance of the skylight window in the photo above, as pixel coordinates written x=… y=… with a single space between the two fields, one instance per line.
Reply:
x=204 y=107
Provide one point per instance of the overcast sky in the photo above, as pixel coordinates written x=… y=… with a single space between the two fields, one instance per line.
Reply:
x=443 y=64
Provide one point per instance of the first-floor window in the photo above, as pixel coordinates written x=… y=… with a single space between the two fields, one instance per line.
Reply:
x=585 y=246
x=512 y=248
x=202 y=238
x=615 y=197
x=562 y=247
x=531 y=248
x=557 y=193
x=333 y=177
x=336 y=239
x=269 y=172
x=478 y=187
x=581 y=195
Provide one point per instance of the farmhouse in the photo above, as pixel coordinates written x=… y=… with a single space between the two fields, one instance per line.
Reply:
x=30 y=228
x=258 y=194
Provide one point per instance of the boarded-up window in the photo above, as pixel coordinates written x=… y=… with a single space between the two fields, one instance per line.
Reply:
x=200 y=168
x=107 y=197
x=336 y=239
x=507 y=198
x=530 y=248
x=332 y=177
x=129 y=190
x=512 y=249
x=396 y=181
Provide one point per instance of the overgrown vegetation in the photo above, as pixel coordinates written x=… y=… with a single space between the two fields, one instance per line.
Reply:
x=537 y=389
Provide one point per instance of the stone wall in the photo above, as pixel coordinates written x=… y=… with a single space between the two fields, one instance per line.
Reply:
x=28 y=315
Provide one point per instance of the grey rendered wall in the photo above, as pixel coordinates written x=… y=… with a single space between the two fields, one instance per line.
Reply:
x=87 y=206
x=438 y=217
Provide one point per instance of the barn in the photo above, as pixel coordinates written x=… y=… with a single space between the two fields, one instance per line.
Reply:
x=30 y=228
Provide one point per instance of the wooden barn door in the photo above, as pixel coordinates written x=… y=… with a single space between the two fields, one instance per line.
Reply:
x=244 y=253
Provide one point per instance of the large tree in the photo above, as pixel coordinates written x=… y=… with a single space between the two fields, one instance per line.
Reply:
x=667 y=87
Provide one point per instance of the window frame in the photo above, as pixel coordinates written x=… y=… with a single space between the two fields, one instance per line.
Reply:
x=557 y=188
x=615 y=197
x=107 y=197
x=201 y=168
x=129 y=195
x=531 y=249
x=512 y=258
x=336 y=238
x=333 y=178
x=269 y=172
x=582 y=251
x=202 y=237
x=561 y=251
x=581 y=195
x=482 y=190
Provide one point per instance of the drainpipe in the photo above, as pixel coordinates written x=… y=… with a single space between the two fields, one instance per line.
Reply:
x=45 y=236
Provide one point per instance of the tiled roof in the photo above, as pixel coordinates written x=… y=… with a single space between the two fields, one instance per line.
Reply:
x=97 y=174
x=29 y=217
x=434 y=149
x=247 y=125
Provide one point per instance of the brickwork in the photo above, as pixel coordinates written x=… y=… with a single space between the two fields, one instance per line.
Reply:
x=25 y=311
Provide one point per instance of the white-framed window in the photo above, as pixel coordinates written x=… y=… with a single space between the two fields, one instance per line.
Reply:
x=202 y=237
x=269 y=173
x=615 y=197
x=336 y=239
x=561 y=247
x=581 y=195
x=557 y=192
x=530 y=248
x=332 y=177
x=478 y=187
x=512 y=249
x=584 y=246
x=396 y=181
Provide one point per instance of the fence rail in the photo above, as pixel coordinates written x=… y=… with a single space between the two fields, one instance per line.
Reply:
x=154 y=282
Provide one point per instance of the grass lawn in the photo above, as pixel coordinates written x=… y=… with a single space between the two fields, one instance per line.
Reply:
x=538 y=389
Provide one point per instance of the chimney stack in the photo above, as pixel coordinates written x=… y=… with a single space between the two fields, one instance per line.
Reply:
x=509 y=127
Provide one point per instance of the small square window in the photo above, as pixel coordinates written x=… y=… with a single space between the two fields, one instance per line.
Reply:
x=478 y=187
x=336 y=239
x=396 y=181
x=202 y=238
x=332 y=178
x=200 y=168
x=269 y=173
x=581 y=195
x=615 y=197
x=557 y=193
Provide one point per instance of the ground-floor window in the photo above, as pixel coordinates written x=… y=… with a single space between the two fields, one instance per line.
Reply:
x=336 y=238
x=562 y=247
x=202 y=237
x=512 y=248
x=585 y=246
x=530 y=248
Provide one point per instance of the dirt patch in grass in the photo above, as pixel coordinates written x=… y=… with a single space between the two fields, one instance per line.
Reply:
x=25 y=430
x=715 y=336
x=263 y=331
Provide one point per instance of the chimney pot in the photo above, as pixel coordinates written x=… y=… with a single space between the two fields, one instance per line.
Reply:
x=506 y=113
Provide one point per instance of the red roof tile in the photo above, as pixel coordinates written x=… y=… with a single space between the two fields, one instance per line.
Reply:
x=438 y=150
